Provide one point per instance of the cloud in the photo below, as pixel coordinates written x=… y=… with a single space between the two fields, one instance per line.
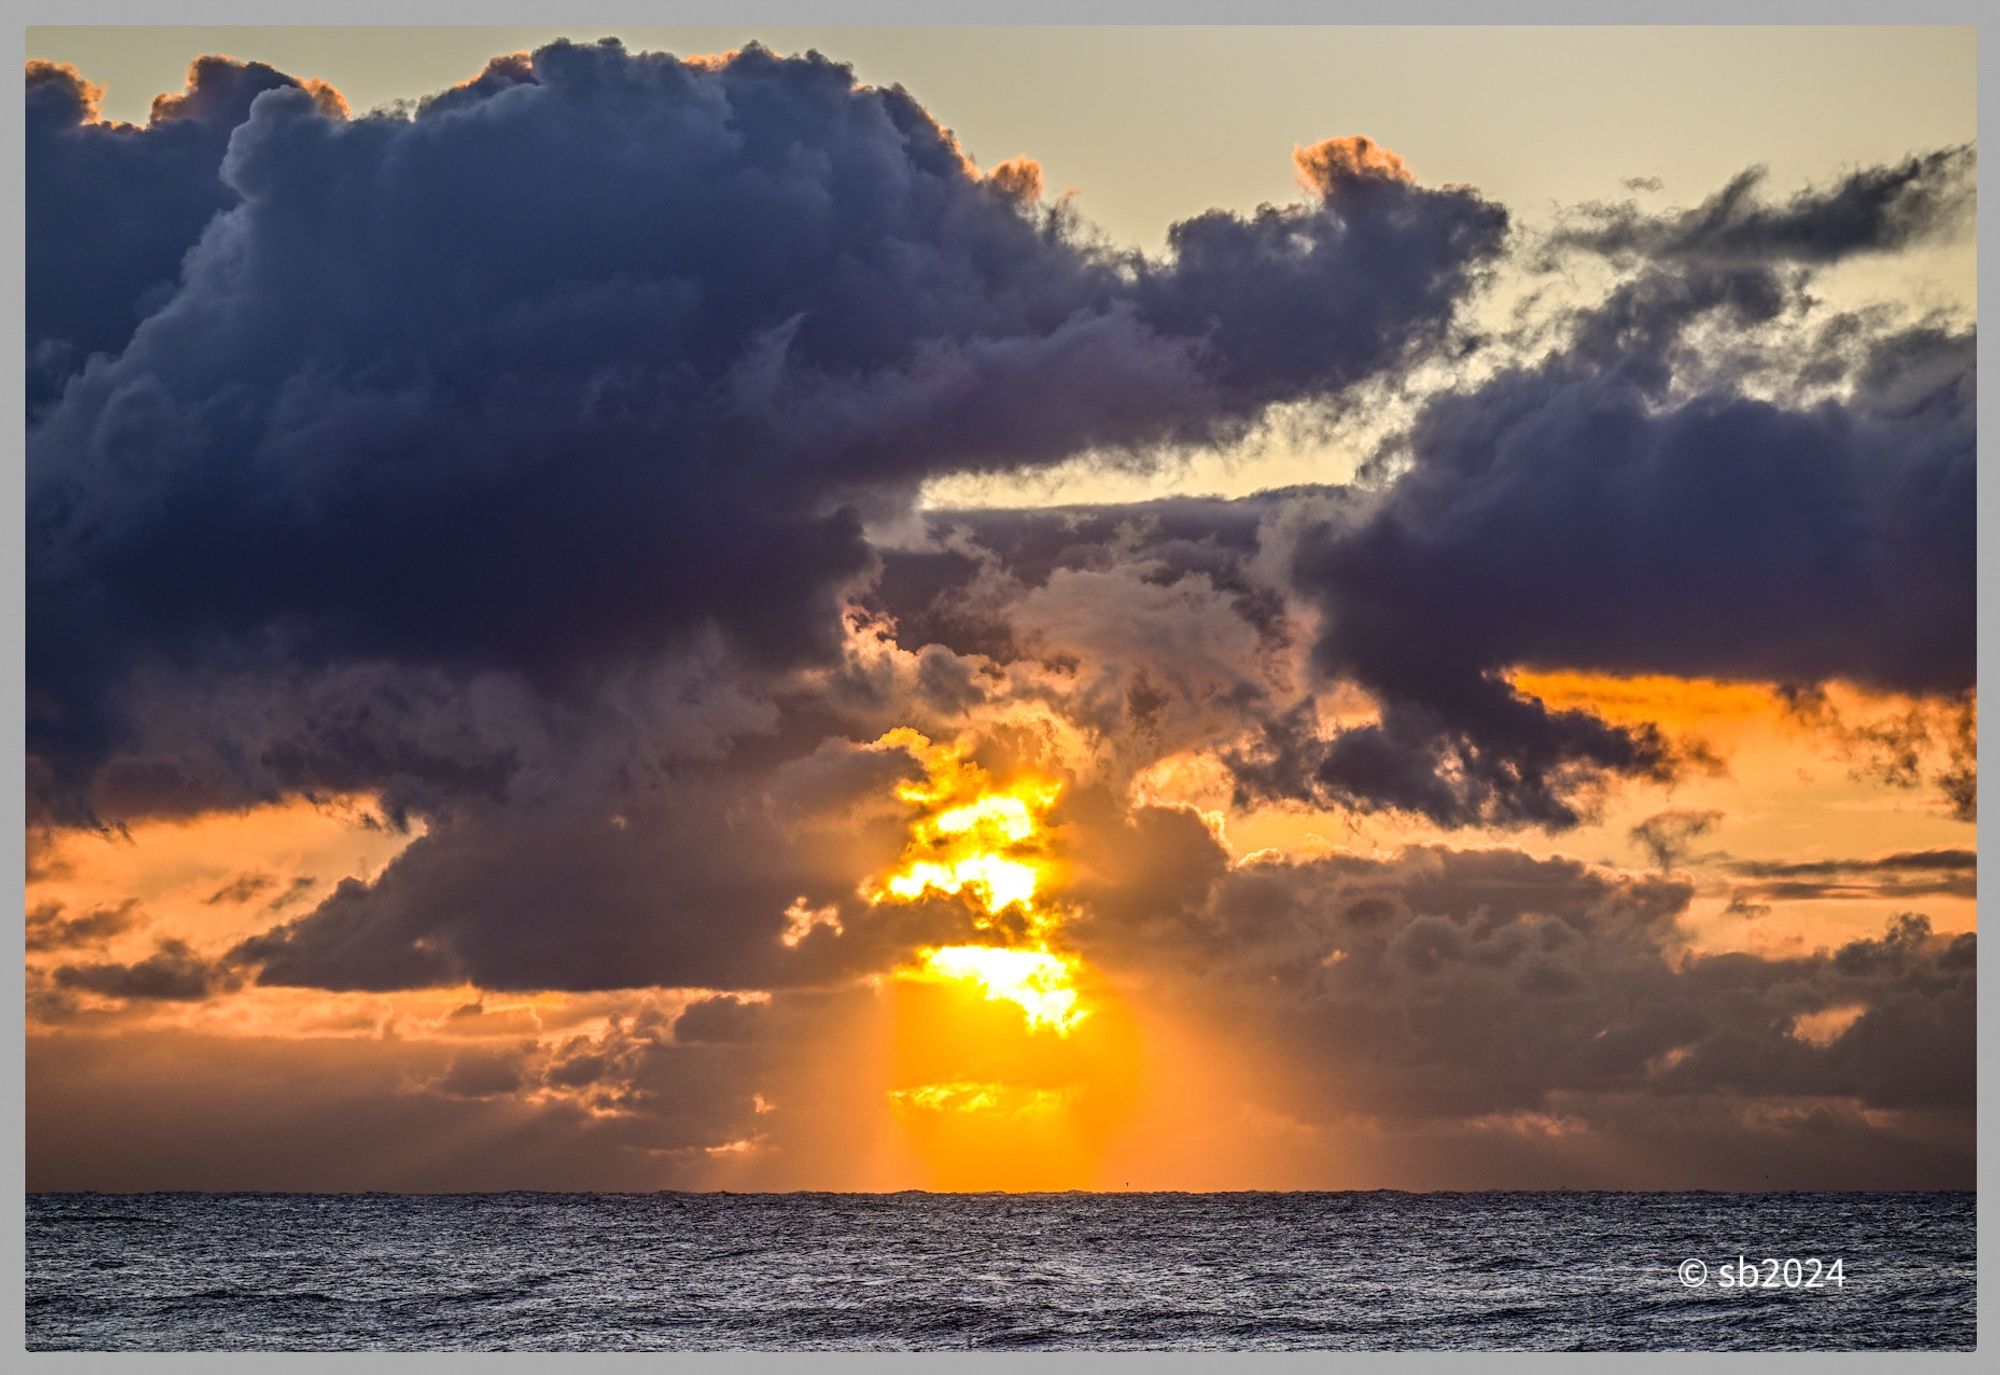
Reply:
x=1688 y=482
x=241 y=889
x=48 y=929
x=686 y=889
x=1901 y=861
x=525 y=414
x=1742 y=905
x=619 y=1106
x=483 y=1074
x=1278 y=300
x=174 y=972
x=1870 y=210
x=1584 y=512
x=114 y=207
x=1903 y=874
x=1902 y=750
x=1613 y=506
x=1327 y=167
x=718 y=1019
x=1488 y=1009
x=795 y=320
x=1668 y=835
x=1455 y=983
x=1019 y=179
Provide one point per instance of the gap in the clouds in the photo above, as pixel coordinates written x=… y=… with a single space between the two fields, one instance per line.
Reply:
x=1294 y=446
x=214 y=877
x=1798 y=840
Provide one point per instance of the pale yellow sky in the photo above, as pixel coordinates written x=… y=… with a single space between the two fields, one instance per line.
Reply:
x=1154 y=124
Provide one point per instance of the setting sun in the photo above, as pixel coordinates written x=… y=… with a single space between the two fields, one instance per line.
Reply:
x=1041 y=984
x=990 y=848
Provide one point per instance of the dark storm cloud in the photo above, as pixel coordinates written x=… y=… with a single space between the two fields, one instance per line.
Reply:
x=113 y=208
x=1624 y=504
x=1584 y=511
x=1871 y=210
x=960 y=588
x=1580 y=514
x=605 y=348
x=592 y=366
x=1276 y=295
x=1617 y=505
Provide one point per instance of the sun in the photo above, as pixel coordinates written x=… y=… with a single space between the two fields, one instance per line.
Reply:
x=1009 y=1062
x=987 y=845
x=970 y=837
x=1042 y=984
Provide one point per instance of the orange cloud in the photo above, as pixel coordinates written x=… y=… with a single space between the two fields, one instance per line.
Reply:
x=214 y=69
x=1326 y=166
x=1019 y=179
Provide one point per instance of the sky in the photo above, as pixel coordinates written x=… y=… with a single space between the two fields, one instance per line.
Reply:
x=1141 y=608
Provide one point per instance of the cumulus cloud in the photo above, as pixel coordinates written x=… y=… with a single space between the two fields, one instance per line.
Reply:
x=793 y=327
x=1326 y=167
x=1711 y=534
x=524 y=413
x=115 y=207
x=1595 y=509
x=1019 y=179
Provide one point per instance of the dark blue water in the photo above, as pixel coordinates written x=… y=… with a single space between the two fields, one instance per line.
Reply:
x=1235 y=1271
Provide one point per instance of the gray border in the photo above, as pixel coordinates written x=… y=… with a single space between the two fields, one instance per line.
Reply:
x=1056 y=12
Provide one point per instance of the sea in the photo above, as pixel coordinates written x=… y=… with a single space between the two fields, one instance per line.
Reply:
x=1150 y=1271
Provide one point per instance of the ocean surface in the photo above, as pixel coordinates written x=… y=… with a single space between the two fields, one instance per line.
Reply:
x=1354 y=1271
